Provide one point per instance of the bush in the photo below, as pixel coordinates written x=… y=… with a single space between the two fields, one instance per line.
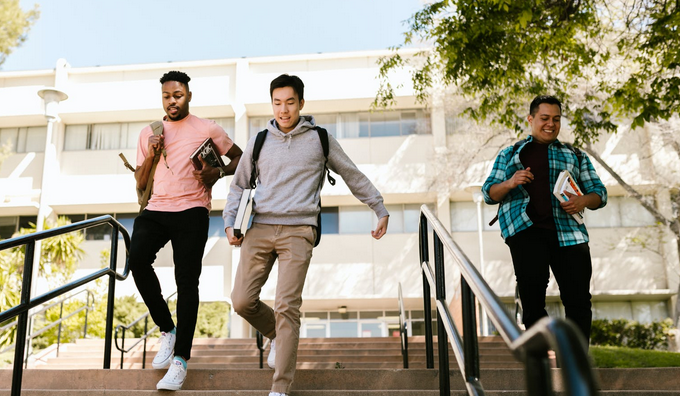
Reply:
x=631 y=334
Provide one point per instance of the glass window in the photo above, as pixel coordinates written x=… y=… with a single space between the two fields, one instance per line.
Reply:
x=257 y=124
x=105 y=137
x=633 y=214
x=318 y=315
x=127 y=220
x=228 y=124
x=349 y=125
x=384 y=124
x=329 y=122
x=463 y=216
x=371 y=330
x=411 y=217
x=9 y=136
x=8 y=226
x=605 y=217
x=348 y=315
x=316 y=330
x=344 y=329
x=98 y=233
x=409 y=123
x=26 y=221
x=329 y=220
x=364 y=130
x=76 y=137
x=370 y=314
x=396 y=223
x=131 y=134
x=355 y=220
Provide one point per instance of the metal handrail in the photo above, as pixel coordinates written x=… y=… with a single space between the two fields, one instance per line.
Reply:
x=124 y=328
x=261 y=346
x=403 y=329
x=59 y=321
x=27 y=303
x=531 y=347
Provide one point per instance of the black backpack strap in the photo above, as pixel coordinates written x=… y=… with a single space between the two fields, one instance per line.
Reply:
x=579 y=153
x=323 y=136
x=259 y=141
x=515 y=147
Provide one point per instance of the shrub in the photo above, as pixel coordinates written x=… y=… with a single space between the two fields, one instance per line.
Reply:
x=631 y=334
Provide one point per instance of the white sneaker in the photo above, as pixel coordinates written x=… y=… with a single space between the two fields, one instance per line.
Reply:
x=271 y=361
x=277 y=394
x=166 y=351
x=174 y=378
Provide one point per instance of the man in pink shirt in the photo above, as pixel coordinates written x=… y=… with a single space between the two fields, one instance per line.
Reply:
x=178 y=211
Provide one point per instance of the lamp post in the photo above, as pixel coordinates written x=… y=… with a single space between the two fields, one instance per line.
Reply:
x=477 y=197
x=52 y=97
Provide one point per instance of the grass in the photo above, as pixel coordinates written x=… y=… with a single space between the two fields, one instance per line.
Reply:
x=607 y=356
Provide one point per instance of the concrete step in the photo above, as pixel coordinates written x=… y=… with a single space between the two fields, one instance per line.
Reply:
x=647 y=382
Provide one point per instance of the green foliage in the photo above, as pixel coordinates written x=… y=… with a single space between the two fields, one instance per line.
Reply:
x=604 y=60
x=212 y=320
x=58 y=260
x=631 y=334
x=15 y=24
x=611 y=356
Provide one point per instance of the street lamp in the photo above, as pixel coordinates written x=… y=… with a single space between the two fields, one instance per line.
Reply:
x=477 y=197
x=52 y=97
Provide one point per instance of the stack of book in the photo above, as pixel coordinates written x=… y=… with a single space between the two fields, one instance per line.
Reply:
x=566 y=183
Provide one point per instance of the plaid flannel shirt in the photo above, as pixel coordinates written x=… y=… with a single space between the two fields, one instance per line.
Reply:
x=512 y=215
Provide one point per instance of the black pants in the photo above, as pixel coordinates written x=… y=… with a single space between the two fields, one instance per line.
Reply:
x=534 y=251
x=188 y=232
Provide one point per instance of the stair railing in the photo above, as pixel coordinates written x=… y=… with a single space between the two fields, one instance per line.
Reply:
x=21 y=311
x=261 y=346
x=146 y=334
x=403 y=329
x=30 y=336
x=530 y=347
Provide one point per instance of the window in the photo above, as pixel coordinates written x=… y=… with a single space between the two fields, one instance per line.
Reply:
x=620 y=212
x=115 y=136
x=25 y=139
x=111 y=136
x=363 y=124
x=8 y=226
x=329 y=220
x=103 y=232
x=216 y=225
x=361 y=219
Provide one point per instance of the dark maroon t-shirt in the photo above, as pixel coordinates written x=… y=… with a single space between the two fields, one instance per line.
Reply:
x=535 y=156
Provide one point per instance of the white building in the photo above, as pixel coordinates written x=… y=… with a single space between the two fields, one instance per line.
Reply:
x=411 y=153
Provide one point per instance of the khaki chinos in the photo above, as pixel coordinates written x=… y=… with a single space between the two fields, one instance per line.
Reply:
x=262 y=245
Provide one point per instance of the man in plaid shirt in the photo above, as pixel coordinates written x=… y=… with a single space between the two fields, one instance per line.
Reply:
x=540 y=230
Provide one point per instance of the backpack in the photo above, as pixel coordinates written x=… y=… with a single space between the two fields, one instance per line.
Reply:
x=323 y=137
x=515 y=147
x=144 y=195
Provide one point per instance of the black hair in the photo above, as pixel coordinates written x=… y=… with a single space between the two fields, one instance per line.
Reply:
x=178 y=76
x=533 y=107
x=286 y=80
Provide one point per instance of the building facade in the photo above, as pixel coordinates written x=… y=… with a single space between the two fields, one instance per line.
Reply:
x=414 y=153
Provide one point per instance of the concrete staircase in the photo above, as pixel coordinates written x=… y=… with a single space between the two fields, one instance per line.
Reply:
x=313 y=353
x=326 y=367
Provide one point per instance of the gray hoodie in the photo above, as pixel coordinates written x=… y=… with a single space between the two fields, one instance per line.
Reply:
x=290 y=177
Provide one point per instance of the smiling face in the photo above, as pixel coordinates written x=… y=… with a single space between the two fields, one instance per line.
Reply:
x=176 y=100
x=546 y=123
x=286 y=107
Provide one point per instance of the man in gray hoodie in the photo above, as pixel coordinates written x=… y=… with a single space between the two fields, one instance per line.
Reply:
x=285 y=208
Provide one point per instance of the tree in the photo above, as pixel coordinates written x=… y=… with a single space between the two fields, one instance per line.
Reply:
x=58 y=260
x=15 y=24
x=614 y=64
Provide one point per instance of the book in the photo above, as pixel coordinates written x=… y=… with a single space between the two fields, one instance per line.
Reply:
x=566 y=183
x=243 y=213
x=210 y=154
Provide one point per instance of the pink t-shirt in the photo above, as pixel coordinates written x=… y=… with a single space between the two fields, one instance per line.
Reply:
x=175 y=189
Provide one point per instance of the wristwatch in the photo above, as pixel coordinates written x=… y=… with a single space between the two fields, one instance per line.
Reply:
x=222 y=173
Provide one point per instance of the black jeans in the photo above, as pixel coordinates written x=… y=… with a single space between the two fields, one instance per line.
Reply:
x=188 y=232
x=534 y=251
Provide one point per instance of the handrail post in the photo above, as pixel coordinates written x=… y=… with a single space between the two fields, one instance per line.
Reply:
x=146 y=330
x=61 y=314
x=427 y=305
x=22 y=321
x=122 y=348
x=260 y=343
x=470 y=343
x=442 y=337
x=111 y=298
